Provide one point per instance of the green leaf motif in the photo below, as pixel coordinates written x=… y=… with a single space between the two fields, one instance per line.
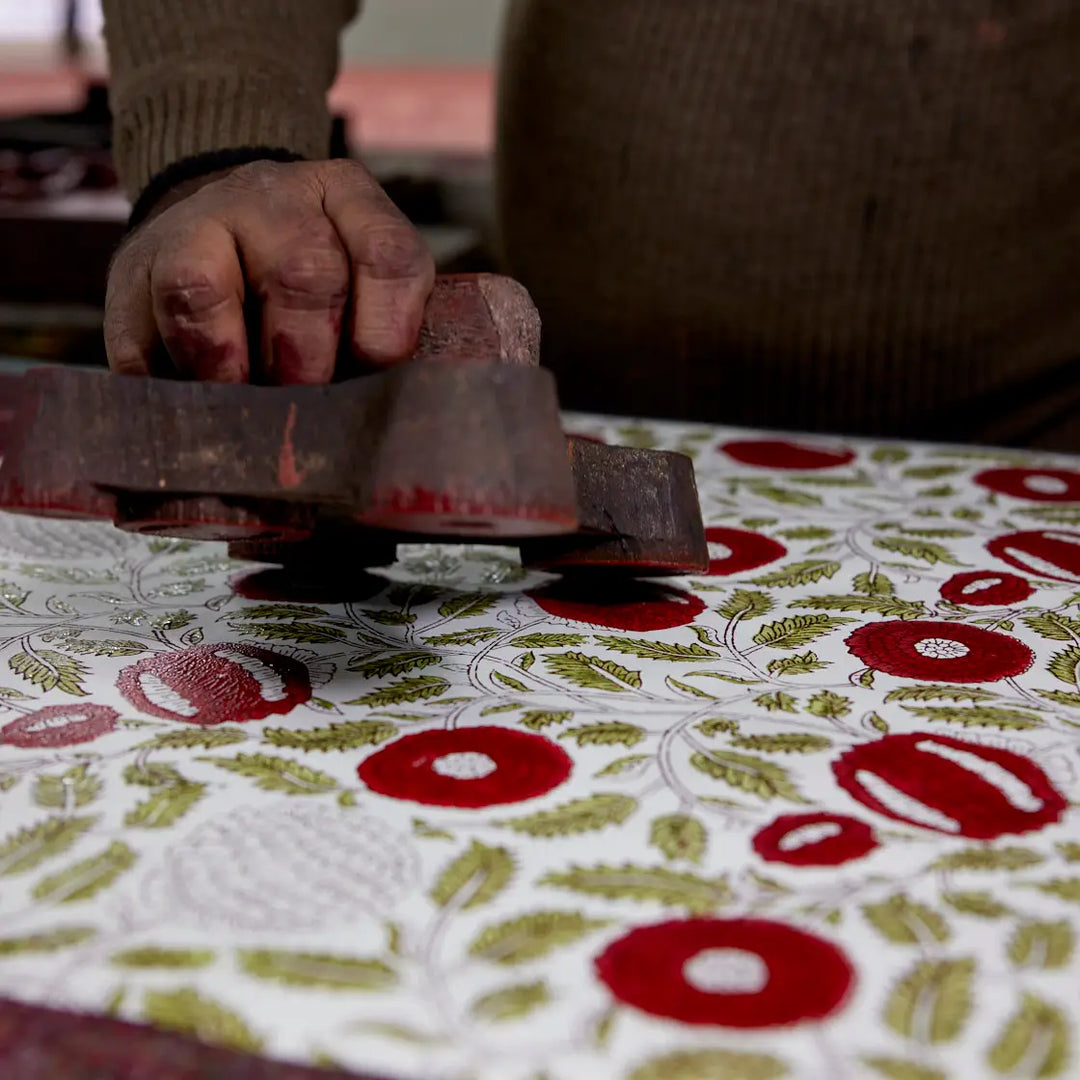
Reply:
x=397 y=664
x=1063 y=888
x=683 y=687
x=104 y=647
x=923 y=550
x=934 y=692
x=829 y=706
x=656 y=650
x=279 y=611
x=302 y=632
x=29 y=847
x=887 y=606
x=803 y=664
x=897 y=1069
x=1063 y=665
x=420 y=688
x=783 y=496
x=1044 y=946
x=165 y=807
x=85 y=879
x=1053 y=626
x=981 y=904
x=630 y=763
x=186 y=1011
x=529 y=937
x=695 y=894
x=747 y=773
x=746 y=604
x=979 y=716
x=931 y=1004
x=47 y=941
x=875 y=584
x=797 y=630
x=475 y=877
x=347 y=735
x=577 y=816
x=1061 y=697
x=151 y=774
x=792 y=743
x=277 y=774
x=930 y=472
x=509 y=682
x=467 y=605
x=592 y=673
x=717 y=725
x=389 y=618
x=806 y=532
x=511 y=1002
x=75 y=787
x=320 y=970
x=609 y=733
x=799 y=573
x=545 y=641
x=464 y=637
x=777 y=702
x=398 y=1032
x=152 y=956
x=1037 y=1038
x=1069 y=852
x=679 y=836
x=1007 y=858
x=711 y=1065
x=172 y=620
x=905 y=922
x=538 y=719
x=49 y=670
x=190 y=738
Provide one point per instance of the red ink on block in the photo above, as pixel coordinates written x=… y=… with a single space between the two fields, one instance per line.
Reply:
x=289 y=476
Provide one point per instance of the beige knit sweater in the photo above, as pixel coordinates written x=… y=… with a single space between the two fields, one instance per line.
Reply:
x=847 y=215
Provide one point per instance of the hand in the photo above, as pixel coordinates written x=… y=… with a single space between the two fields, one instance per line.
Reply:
x=269 y=265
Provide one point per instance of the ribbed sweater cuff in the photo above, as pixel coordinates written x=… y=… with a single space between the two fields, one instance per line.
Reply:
x=207 y=113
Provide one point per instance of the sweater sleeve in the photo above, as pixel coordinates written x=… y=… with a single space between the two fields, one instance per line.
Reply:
x=196 y=77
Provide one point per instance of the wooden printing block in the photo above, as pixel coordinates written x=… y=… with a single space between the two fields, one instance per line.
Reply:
x=463 y=442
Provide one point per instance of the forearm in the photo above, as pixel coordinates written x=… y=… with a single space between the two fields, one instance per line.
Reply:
x=193 y=77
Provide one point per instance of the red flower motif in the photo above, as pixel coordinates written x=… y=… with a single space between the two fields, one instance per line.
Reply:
x=986 y=588
x=468 y=767
x=60 y=725
x=619 y=605
x=814 y=840
x=783 y=454
x=939 y=651
x=212 y=684
x=736 y=973
x=745 y=550
x=291 y=585
x=950 y=785
x=1039 y=485
x=1046 y=553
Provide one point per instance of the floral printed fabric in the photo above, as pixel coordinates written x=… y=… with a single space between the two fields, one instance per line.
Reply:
x=811 y=815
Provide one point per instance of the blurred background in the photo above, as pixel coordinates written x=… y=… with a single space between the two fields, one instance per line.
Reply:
x=414 y=102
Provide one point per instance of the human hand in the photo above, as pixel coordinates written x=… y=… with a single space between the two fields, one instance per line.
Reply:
x=268 y=266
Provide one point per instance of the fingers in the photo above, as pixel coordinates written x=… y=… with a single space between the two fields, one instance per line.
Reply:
x=131 y=334
x=197 y=294
x=392 y=270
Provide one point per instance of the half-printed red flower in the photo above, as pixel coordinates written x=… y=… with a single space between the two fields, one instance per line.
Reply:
x=1040 y=485
x=784 y=454
x=1047 y=553
x=950 y=785
x=215 y=684
x=292 y=585
x=740 y=550
x=468 y=767
x=619 y=605
x=736 y=973
x=815 y=840
x=986 y=588
x=60 y=725
x=939 y=651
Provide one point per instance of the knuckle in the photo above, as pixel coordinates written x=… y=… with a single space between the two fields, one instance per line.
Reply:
x=395 y=250
x=316 y=274
x=191 y=293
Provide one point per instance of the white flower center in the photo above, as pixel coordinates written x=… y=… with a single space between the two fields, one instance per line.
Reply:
x=726 y=971
x=159 y=693
x=271 y=684
x=46 y=723
x=939 y=648
x=904 y=806
x=805 y=835
x=467 y=765
x=718 y=552
x=1046 y=485
x=980 y=586
x=1011 y=786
